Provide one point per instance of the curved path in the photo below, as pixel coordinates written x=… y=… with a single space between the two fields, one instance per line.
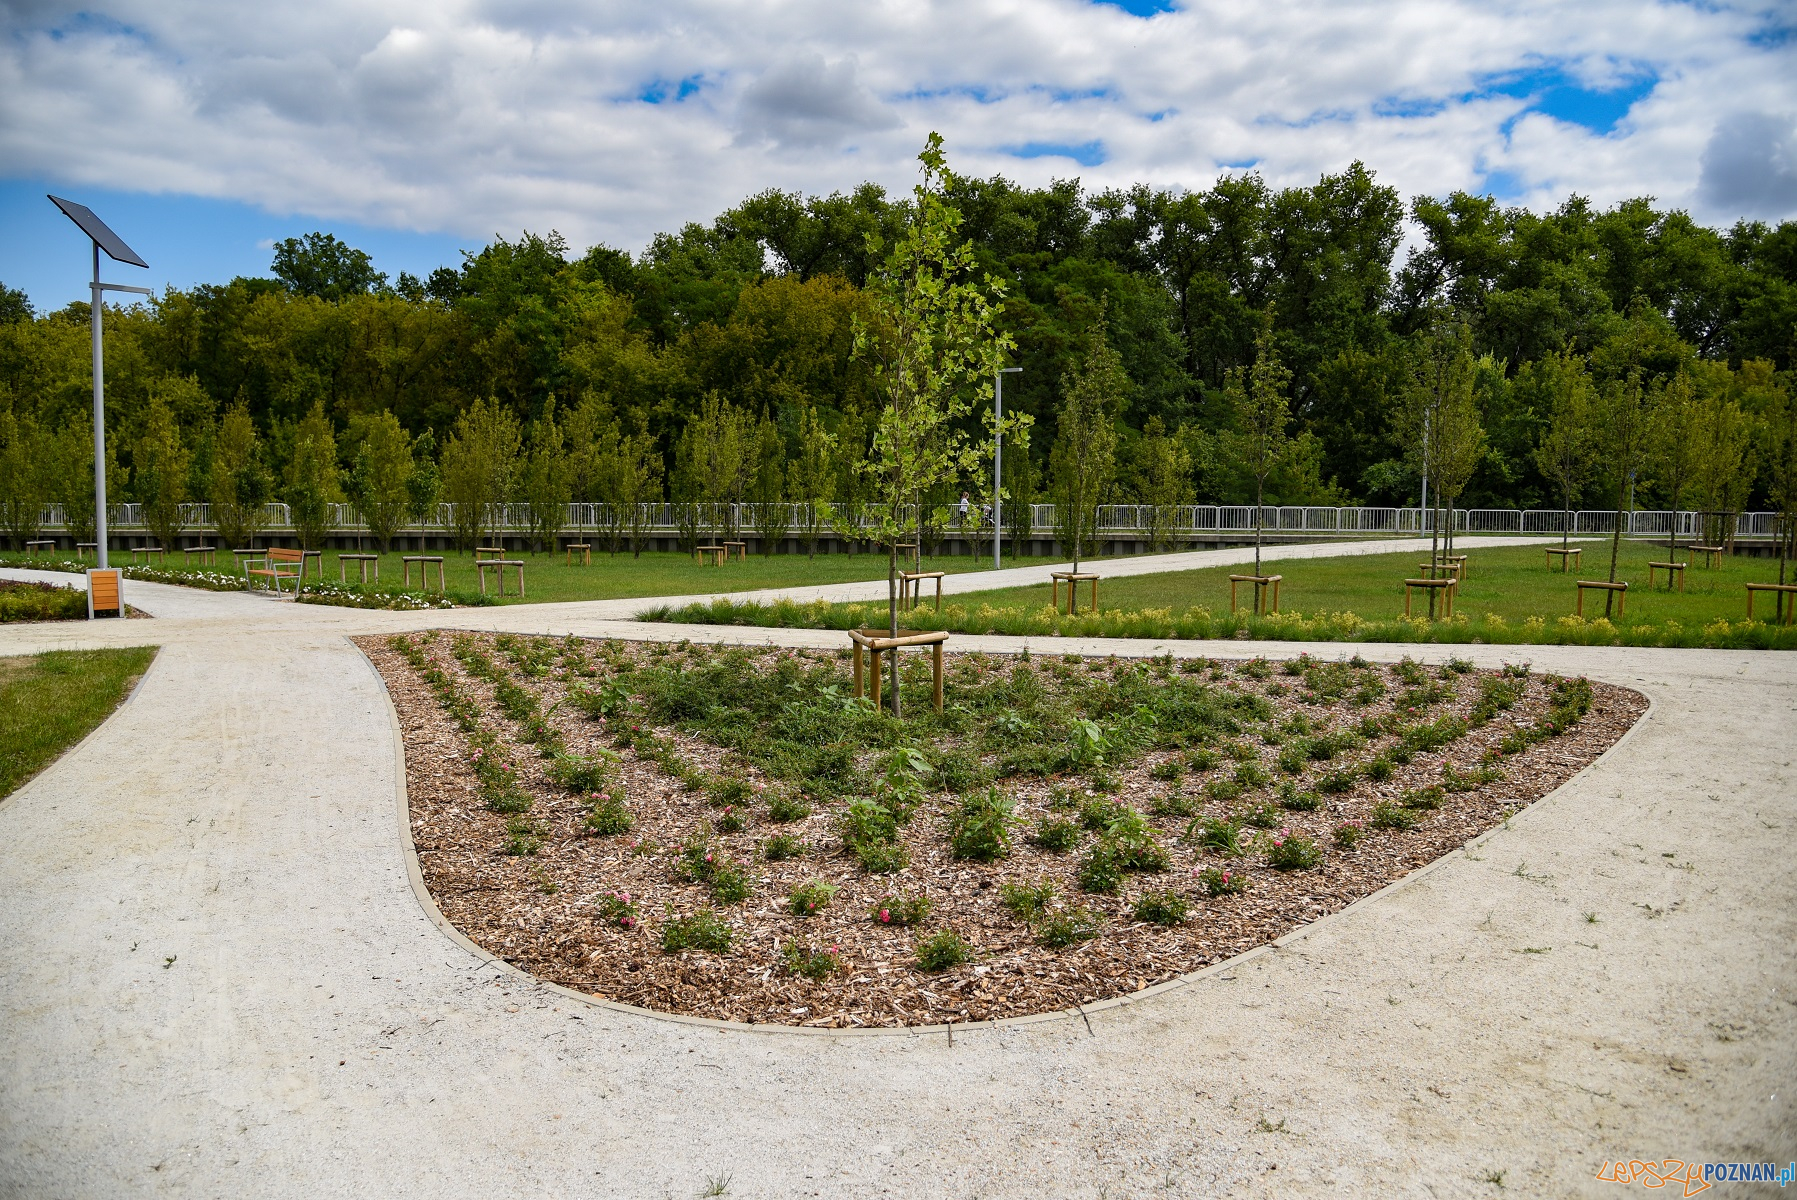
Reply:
x=218 y=979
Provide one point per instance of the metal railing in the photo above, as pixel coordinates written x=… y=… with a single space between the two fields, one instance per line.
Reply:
x=1114 y=520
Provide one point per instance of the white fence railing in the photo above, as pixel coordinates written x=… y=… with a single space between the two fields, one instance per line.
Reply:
x=1114 y=520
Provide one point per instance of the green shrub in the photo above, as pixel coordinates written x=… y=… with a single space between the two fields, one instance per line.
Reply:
x=729 y=821
x=704 y=930
x=942 y=950
x=1379 y=769
x=1216 y=834
x=785 y=808
x=1027 y=901
x=1387 y=815
x=616 y=908
x=727 y=792
x=1341 y=779
x=1251 y=775
x=1423 y=799
x=1172 y=804
x=882 y=858
x=1293 y=852
x=1262 y=816
x=781 y=847
x=1293 y=800
x=866 y=823
x=1099 y=871
x=522 y=837
x=1056 y=835
x=606 y=814
x=41 y=602
x=1202 y=759
x=1162 y=908
x=981 y=828
x=1098 y=812
x=809 y=897
x=812 y=964
x=577 y=773
x=1135 y=844
x=729 y=883
x=901 y=909
x=1223 y=790
x=1167 y=771
x=1060 y=930
x=1221 y=881
x=1347 y=834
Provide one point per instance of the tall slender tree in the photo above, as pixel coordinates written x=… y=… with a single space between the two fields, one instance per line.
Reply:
x=313 y=478
x=812 y=476
x=240 y=481
x=1566 y=453
x=931 y=348
x=380 y=479
x=1083 y=462
x=480 y=463
x=1260 y=406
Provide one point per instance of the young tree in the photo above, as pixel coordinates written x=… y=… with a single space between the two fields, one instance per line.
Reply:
x=26 y=475
x=1020 y=490
x=1163 y=471
x=1720 y=471
x=1624 y=418
x=1567 y=451
x=240 y=480
x=1440 y=422
x=1673 y=443
x=931 y=349
x=74 y=474
x=313 y=478
x=1083 y=462
x=544 y=483
x=812 y=476
x=479 y=467
x=160 y=473
x=380 y=482
x=424 y=486
x=851 y=482
x=635 y=484
x=1259 y=442
x=767 y=486
x=1781 y=465
x=714 y=460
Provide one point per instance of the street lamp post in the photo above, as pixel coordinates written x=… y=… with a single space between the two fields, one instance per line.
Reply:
x=998 y=455
x=103 y=239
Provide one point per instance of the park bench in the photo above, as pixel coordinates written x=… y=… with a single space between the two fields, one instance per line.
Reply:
x=586 y=553
x=207 y=554
x=496 y=551
x=1072 y=580
x=32 y=548
x=738 y=550
x=146 y=551
x=1599 y=585
x=499 y=565
x=278 y=564
x=715 y=553
x=877 y=642
x=1266 y=587
x=1570 y=553
x=911 y=586
x=1784 y=596
x=424 y=562
x=1447 y=587
x=105 y=591
x=362 y=561
x=1712 y=555
x=1674 y=570
x=81 y=549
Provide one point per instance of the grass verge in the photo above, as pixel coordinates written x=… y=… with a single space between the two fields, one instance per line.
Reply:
x=50 y=701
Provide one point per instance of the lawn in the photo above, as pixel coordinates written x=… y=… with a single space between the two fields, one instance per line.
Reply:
x=1509 y=595
x=549 y=578
x=50 y=701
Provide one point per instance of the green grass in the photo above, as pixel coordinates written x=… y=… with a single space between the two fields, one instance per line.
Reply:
x=50 y=701
x=1509 y=596
x=549 y=579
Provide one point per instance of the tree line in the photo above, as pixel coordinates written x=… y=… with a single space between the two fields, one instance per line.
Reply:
x=1237 y=344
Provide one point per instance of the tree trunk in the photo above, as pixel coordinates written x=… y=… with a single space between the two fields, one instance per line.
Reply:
x=1260 y=494
x=1615 y=542
x=892 y=618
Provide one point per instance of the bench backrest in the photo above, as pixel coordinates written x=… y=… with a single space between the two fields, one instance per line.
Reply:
x=283 y=555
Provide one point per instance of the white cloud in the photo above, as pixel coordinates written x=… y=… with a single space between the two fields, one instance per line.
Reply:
x=611 y=122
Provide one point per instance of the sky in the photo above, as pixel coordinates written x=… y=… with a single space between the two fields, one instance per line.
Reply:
x=203 y=131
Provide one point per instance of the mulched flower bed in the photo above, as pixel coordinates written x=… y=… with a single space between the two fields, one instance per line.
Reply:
x=492 y=720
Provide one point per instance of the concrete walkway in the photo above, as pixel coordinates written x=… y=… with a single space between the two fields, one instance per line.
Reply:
x=219 y=981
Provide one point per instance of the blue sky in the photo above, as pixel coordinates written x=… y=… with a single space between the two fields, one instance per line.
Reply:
x=413 y=129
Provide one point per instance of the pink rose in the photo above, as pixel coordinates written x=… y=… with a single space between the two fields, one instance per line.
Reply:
x=885 y=916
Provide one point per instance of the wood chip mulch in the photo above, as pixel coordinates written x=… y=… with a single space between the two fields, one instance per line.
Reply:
x=538 y=911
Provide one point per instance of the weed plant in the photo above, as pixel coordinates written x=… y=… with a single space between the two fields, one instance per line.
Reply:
x=1059 y=930
x=1162 y=908
x=942 y=950
x=703 y=930
x=1026 y=901
x=1221 y=881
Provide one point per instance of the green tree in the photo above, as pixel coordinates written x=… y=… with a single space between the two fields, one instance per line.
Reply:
x=313 y=478
x=544 y=483
x=1780 y=457
x=74 y=474
x=767 y=486
x=1673 y=447
x=27 y=479
x=1083 y=462
x=714 y=461
x=320 y=265
x=1163 y=481
x=1439 y=423
x=240 y=480
x=812 y=477
x=1624 y=421
x=161 y=461
x=853 y=483
x=380 y=482
x=1567 y=452
x=931 y=350
x=1720 y=470
x=480 y=463
x=1259 y=442
x=1020 y=493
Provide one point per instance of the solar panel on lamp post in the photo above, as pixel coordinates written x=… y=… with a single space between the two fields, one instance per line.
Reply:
x=103 y=239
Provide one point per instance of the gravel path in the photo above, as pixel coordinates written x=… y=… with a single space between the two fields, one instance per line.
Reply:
x=219 y=979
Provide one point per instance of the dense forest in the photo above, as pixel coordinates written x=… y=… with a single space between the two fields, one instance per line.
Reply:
x=588 y=373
